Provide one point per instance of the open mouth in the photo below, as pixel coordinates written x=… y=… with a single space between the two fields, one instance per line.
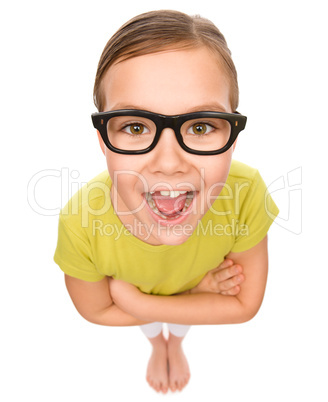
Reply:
x=169 y=205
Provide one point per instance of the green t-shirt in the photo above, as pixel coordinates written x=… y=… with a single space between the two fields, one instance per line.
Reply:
x=93 y=243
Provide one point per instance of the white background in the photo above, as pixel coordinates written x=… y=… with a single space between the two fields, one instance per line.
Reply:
x=49 y=53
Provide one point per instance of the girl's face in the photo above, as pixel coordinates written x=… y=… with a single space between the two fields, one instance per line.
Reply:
x=169 y=83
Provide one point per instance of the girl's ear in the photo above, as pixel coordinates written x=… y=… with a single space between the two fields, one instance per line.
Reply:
x=101 y=143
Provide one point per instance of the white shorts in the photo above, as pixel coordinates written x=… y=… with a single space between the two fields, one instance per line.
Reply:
x=155 y=328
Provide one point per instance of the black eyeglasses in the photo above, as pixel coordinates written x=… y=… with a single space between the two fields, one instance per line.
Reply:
x=138 y=131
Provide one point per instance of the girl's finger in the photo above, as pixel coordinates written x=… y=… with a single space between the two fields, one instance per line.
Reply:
x=227 y=273
x=230 y=283
x=231 y=292
x=225 y=264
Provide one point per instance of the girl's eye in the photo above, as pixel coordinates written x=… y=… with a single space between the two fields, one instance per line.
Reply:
x=135 y=129
x=200 y=128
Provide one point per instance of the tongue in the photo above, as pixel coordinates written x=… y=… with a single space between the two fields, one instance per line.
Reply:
x=168 y=205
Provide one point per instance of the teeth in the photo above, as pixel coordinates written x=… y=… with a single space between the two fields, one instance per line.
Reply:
x=172 y=194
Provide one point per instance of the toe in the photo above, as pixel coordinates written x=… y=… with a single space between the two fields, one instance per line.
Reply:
x=173 y=387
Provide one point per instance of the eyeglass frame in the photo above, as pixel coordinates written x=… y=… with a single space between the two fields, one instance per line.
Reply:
x=175 y=122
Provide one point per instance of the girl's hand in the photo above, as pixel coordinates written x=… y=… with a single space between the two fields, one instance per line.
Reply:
x=225 y=279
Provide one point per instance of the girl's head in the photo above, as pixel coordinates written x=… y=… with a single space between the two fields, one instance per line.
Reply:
x=166 y=63
x=157 y=31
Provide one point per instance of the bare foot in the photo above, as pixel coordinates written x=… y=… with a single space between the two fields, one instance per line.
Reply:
x=179 y=372
x=157 y=370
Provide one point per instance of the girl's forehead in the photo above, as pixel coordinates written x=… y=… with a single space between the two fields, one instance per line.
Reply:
x=182 y=78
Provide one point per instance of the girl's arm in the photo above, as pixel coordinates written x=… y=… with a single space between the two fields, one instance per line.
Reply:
x=94 y=302
x=202 y=308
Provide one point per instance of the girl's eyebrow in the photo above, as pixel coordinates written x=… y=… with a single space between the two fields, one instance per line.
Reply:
x=209 y=107
x=119 y=106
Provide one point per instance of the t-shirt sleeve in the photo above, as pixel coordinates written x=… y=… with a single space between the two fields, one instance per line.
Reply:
x=73 y=254
x=257 y=212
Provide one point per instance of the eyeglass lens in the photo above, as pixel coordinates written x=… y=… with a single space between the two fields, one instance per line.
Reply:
x=132 y=133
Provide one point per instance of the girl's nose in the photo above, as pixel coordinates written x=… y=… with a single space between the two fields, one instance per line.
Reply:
x=168 y=157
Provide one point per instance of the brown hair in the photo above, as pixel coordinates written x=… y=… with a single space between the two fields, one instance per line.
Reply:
x=156 y=31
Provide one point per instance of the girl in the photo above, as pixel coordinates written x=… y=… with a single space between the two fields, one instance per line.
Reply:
x=174 y=226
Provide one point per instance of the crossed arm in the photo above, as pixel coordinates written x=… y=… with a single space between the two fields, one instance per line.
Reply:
x=216 y=300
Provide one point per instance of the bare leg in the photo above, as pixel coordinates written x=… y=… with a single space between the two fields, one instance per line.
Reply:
x=157 y=370
x=179 y=372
